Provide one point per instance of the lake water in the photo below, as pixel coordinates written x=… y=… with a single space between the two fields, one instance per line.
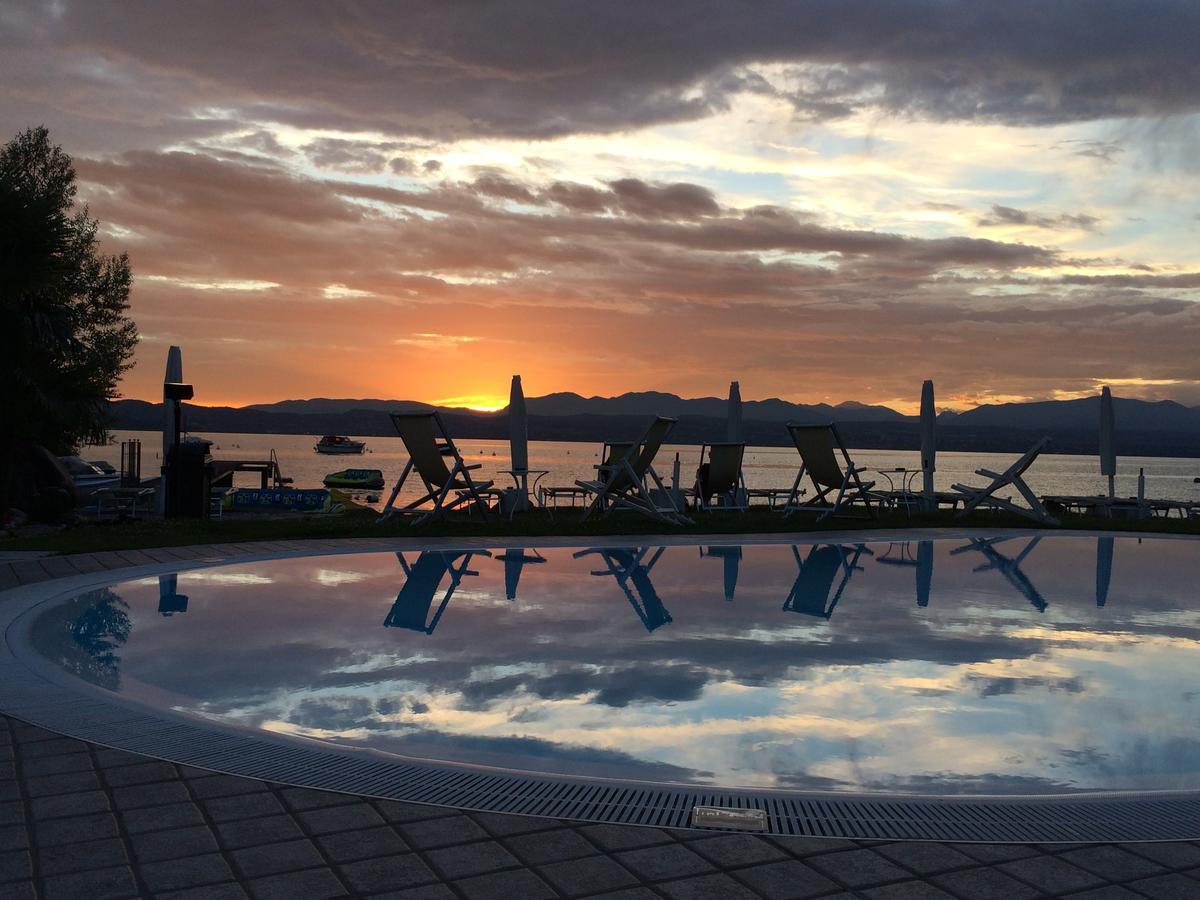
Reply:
x=764 y=467
x=1023 y=665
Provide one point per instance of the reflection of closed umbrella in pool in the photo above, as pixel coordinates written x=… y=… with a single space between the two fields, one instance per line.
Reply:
x=731 y=559
x=633 y=576
x=170 y=601
x=922 y=561
x=422 y=581
x=1009 y=567
x=1104 y=564
x=515 y=559
x=810 y=592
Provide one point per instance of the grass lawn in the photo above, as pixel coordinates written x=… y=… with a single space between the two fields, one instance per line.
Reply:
x=359 y=522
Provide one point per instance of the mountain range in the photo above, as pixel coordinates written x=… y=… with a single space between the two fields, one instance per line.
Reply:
x=1144 y=428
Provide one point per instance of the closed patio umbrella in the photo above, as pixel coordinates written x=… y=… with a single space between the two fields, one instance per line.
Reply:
x=928 y=445
x=733 y=423
x=173 y=375
x=1108 y=448
x=518 y=427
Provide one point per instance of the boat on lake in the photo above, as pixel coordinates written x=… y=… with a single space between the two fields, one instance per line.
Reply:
x=339 y=443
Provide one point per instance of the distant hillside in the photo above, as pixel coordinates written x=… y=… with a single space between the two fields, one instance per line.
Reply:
x=1143 y=429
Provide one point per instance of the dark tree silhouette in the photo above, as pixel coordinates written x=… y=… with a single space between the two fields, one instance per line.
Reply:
x=65 y=338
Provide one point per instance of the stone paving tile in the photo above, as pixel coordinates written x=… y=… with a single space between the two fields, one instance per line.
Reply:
x=69 y=805
x=1168 y=887
x=304 y=798
x=707 y=887
x=108 y=758
x=1173 y=856
x=158 y=794
x=503 y=825
x=985 y=884
x=907 y=890
x=340 y=818
x=53 y=765
x=465 y=860
x=161 y=818
x=348 y=846
x=228 y=891
x=1112 y=863
x=424 y=892
x=617 y=837
x=1108 y=892
x=994 y=853
x=62 y=783
x=312 y=884
x=637 y=893
x=730 y=851
x=550 y=846
x=388 y=873
x=441 y=832
x=139 y=773
x=273 y=859
x=803 y=847
x=251 y=832
x=75 y=829
x=193 y=871
x=518 y=884
x=12 y=814
x=395 y=811
x=155 y=846
x=15 y=865
x=588 y=875
x=13 y=837
x=788 y=880
x=857 y=868
x=926 y=858
x=243 y=806
x=67 y=858
x=1051 y=874
x=663 y=862
x=98 y=884
x=210 y=786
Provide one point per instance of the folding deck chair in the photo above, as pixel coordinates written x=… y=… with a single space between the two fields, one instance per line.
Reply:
x=985 y=496
x=427 y=453
x=810 y=592
x=422 y=581
x=817 y=446
x=627 y=566
x=621 y=484
x=1008 y=566
x=720 y=478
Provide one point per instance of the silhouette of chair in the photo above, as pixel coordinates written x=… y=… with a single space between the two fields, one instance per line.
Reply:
x=731 y=560
x=811 y=591
x=515 y=559
x=818 y=446
x=621 y=483
x=975 y=497
x=922 y=561
x=429 y=445
x=423 y=580
x=1009 y=567
x=720 y=477
x=632 y=574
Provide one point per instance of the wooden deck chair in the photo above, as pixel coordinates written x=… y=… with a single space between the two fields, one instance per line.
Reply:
x=429 y=445
x=975 y=497
x=623 y=484
x=1008 y=566
x=811 y=592
x=818 y=446
x=719 y=477
x=627 y=565
x=422 y=581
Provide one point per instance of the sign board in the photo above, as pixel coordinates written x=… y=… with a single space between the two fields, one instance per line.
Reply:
x=729 y=817
x=298 y=499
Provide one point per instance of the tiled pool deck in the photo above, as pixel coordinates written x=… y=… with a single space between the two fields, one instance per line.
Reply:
x=80 y=820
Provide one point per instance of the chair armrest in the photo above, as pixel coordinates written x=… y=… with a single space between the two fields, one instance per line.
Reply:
x=472 y=467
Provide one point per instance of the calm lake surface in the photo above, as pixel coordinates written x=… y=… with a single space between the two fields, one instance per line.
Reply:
x=765 y=467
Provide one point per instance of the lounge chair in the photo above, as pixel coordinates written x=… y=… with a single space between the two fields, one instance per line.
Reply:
x=719 y=479
x=611 y=455
x=428 y=445
x=818 y=446
x=422 y=581
x=975 y=497
x=621 y=483
x=632 y=573
x=811 y=591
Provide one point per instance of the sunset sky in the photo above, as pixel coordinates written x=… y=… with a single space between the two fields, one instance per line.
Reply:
x=825 y=201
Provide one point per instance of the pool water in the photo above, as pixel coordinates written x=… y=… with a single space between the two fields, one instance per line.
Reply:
x=1025 y=665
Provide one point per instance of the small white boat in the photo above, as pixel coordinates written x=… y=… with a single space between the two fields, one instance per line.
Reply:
x=337 y=443
x=88 y=477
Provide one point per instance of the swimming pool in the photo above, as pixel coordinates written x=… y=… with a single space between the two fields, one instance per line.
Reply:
x=1009 y=667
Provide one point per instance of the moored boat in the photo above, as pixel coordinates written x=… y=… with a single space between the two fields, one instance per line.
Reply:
x=362 y=479
x=338 y=443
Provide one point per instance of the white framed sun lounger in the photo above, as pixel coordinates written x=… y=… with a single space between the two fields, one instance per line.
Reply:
x=622 y=484
x=818 y=446
x=976 y=497
x=723 y=481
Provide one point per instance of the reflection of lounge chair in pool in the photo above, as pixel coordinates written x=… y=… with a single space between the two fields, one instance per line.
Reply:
x=922 y=561
x=422 y=581
x=1012 y=476
x=731 y=559
x=427 y=455
x=810 y=592
x=633 y=576
x=515 y=559
x=1009 y=567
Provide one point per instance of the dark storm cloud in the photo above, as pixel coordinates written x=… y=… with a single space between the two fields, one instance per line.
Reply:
x=1008 y=215
x=534 y=69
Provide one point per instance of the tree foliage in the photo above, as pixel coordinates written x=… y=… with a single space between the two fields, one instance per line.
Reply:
x=65 y=337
